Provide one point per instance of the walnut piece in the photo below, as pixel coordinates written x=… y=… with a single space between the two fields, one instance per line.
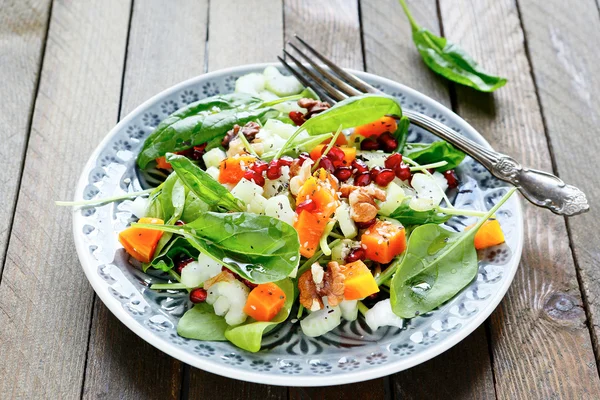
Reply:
x=249 y=130
x=362 y=201
x=331 y=285
x=312 y=107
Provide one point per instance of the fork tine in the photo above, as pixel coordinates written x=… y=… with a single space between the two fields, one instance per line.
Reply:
x=326 y=86
x=353 y=80
x=305 y=82
x=343 y=86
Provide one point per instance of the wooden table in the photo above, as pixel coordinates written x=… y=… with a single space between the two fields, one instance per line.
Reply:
x=69 y=69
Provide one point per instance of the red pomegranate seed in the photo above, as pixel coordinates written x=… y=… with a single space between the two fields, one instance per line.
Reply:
x=403 y=172
x=307 y=205
x=365 y=225
x=356 y=254
x=336 y=154
x=249 y=284
x=179 y=223
x=362 y=179
x=374 y=172
x=359 y=166
x=199 y=151
x=327 y=165
x=451 y=178
x=385 y=177
x=182 y=263
x=285 y=161
x=297 y=117
x=303 y=157
x=198 y=295
x=369 y=144
x=274 y=170
x=343 y=173
x=259 y=166
x=393 y=161
x=255 y=177
x=387 y=142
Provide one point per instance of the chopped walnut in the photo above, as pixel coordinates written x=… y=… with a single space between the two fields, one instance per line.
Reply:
x=362 y=201
x=312 y=107
x=249 y=130
x=331 y=284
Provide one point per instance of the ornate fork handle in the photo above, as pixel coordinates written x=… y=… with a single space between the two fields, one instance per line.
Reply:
x=540 y=188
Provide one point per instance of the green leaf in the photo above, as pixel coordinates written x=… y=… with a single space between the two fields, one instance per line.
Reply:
x=199 y=124
x=401 y=133
x=201 y=323
x=203 y=185
x=437 y=264
x=248 y=336
x=429 y=153
x=407 y=216
x=256 y=247
x=449 y=60
x=353 y=111
x=166 y=257
x=193 y=207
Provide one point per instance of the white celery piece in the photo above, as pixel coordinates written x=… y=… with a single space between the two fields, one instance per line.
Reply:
x=279 y=128
x=280 y=84
x=138 y=207
x=214 y=172
x=429 y=192
x=320 y=322
x=279 y=207
x=347 y=225
x=253 y=84
x=349 y=309
x=213 y=157
x=381 y=314
x=393 y=198
x=251 y=194
x=196 y=272
x=228 y=299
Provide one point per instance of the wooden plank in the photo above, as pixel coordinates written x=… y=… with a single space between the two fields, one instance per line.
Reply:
x=45 y=300
x=560 y=41
x=23 y=28
x=391 y=53
x=244 y=34
x=235 y=38
x=333 y=28
x=120 y=364
x=540 y=342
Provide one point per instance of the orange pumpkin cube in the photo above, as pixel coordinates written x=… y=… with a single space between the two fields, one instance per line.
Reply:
x=141 y=243
x=383 y=241
x=376 y=128
x=359 y=282
x=310 y=228
x=264 y=302
x=490 y=234
x=231 y=170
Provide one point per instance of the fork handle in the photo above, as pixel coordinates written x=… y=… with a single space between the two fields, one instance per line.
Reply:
x=540 y=188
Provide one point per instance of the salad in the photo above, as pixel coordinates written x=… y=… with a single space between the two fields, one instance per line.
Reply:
x=270 y=204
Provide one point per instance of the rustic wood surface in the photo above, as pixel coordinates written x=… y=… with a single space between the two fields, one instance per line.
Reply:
x=71 y=69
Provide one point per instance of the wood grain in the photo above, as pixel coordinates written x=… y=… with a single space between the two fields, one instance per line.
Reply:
x=540 y=342
x=23 y=27
x=390 y=52
x=234 y=38
x=45 y=300
x=565 y=67
x=244 y=33
x=120 y=364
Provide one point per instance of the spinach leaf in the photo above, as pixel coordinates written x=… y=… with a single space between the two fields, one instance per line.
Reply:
x=256 y=247
x=449 y=60
x=437 y=264
x=401 y=133
x=192 y=130
x=165 y=259
x=424 y=153
x=203 y=185
x=248 y=336
x=193 y=207
x=201 y=323
x=408 y=216
x=351 y=112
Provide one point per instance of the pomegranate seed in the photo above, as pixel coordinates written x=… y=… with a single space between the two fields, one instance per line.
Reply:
x=359 y=166
x=374 y=172
x=393 y=161
x=387 y=142
x=343 y=173
x=327 y=165
x=297 y=117
x=365 y=225
x=385 y=177
x=182 y=263
x=274 y=170
x=336 y=154
x=303 y=157
x=249 y=284
x=307 y=205
x=369 y=144
x=451 y=178
x=403 y=172
x=255 y=177
x=285 y=161
x=198 y=295
x=373 y=296
x=179 y=223
x=356 y=254
x=259 y=166
x=362 y=179
x=198 y=151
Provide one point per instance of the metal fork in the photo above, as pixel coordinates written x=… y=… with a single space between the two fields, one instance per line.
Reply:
x=540 y=188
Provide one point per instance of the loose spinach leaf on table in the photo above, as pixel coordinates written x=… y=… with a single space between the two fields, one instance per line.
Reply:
x=248 y=336
x=449 y=60
x=428 y=153
x=353 y=111
x=437 y=264
x=407 y=216
x=182 y=131
x=203 y=185
x=201 y=323
x=256 y=247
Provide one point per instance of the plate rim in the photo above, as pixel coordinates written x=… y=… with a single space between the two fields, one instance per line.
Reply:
x=256 y=377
